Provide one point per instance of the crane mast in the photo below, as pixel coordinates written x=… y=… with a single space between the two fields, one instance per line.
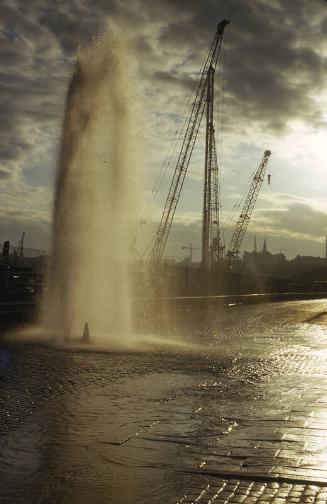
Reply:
x=216 y=252
x=244 y=218
x=201 y=99
x=209 y=160
x=212 y=250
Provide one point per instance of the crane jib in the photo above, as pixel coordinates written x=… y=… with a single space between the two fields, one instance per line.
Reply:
x=244 y=218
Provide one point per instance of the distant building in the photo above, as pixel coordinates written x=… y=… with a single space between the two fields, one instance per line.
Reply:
x=265 y=263
x=4 y=273
x=301 y=264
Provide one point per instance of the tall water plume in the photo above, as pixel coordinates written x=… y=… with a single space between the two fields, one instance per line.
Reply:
x=95 y=198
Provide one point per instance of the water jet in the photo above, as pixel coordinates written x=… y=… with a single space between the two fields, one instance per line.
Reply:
x=94 y=199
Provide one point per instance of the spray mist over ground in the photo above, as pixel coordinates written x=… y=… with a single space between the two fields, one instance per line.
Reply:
x=95 y=199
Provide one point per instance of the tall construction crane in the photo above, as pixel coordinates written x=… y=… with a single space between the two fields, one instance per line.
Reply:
x=244 y=218
x=203 y=100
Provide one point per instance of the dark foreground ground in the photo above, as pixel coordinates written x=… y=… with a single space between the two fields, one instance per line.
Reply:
x=236 y=413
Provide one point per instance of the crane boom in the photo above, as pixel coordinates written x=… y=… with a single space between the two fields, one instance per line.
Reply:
x=184 y=157
x=244 y=218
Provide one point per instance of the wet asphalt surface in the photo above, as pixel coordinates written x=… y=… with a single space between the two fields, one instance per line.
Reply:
x=236 y=411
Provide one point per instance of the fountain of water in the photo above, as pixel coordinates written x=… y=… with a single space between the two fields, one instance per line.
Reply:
x=95 y=199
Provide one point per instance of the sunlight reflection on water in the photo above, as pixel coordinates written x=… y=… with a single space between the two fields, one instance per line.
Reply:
x=98 y=424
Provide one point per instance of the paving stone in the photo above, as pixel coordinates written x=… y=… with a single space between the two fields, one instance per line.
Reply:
x=271 y=492
x=288 y=462
x=282 y=495
x=298 y=488
x=239 y=498
x=254 y=492
x=243 y=491
x=230 y=487
x=225 y=495
x=286 y=485
x=264 y=461
x=261 y=487
x=323 y=495
x=214 y=490
x=309 y=492
x=295 y=493
x=288 y=453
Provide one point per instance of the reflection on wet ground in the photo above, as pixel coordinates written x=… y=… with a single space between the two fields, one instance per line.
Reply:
x=241 y=404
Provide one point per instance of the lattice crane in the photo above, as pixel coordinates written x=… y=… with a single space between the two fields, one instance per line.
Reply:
x=203 y=97
x=244 y=218
x=20 y=248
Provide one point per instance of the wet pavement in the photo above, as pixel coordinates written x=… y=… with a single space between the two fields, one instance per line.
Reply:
x=235 y=411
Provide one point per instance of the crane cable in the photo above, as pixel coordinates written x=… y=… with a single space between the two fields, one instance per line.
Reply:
x=240 y=202
x=159 y=180
x=162 y=175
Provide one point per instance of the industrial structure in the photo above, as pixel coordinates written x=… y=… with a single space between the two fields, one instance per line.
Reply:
x=204 y=99
x=245 y=216
x=212 y=247
x=19 y=250
x=21 y=276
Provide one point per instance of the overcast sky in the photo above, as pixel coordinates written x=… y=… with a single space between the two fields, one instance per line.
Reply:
x=272 y=79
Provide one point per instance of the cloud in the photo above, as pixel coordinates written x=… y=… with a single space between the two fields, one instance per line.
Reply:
x=298 y=220
x=31 y=85
x=273 y=60
x=279 y=215
x=292 y=226
x=273 y=69
x=25 y=208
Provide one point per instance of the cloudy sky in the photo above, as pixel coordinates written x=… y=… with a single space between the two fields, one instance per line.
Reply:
x=271 y=93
